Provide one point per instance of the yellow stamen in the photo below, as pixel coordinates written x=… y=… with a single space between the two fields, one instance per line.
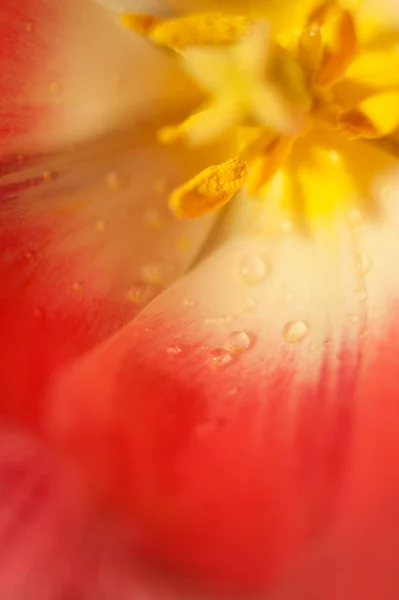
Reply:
x=142 y=24
x=266 y=165
x=338 y=57
x=269 y=84
x=208 y=124
x=310 y=48
x=375 y=117
x=338 y=36
x=208 y=29
x=209 y=190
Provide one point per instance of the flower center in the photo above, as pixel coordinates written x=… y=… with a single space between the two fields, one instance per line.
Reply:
x=267 y=89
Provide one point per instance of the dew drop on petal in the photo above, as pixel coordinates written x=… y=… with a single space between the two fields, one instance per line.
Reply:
x=361 y=294
x=55 y=88
x=100 y=226
x=160 y=186
x=153 y=218
x=362 y=263
x=295 y=331
x=78 y=287
x=173 y=350
x=289 y=296
x=140 y=293
x=156 y=273
x=355 y=217
x=49 y=176
x=220 y=358
x=353 y=318
x=249 y=305
x=287 y=226
x=182 y=243
x=237 y=342
x=113 y=181
x=254 y=269
x=333 y=155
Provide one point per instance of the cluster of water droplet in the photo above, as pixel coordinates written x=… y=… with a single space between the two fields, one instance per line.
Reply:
x=236 y=343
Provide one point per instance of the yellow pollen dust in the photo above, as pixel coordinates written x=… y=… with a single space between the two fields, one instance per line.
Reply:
x=209 y=190
x=208 y=29
x=322 y=80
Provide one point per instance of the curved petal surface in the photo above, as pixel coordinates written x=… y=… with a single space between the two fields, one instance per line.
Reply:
x=85 y=245
x=238 y=429
x=70 y=72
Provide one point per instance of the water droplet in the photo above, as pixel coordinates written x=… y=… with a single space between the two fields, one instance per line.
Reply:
x=289 y=295
x=232 y=392
x=249 y=305
x=78 y=287
x=210 y=321
x=221 y=321
x=361 y=294
x=353 y=318
x=333 y=155
x=28 y=255
x=254 y=269
x=140 y=293
x=225 y=320
x=29 y=27
x=182 y=243
x=100 y=226
x=55 y=88
x=173 y=350
x=160 y=186
x=153 y=218
x=49 y=176
x=156 y=273
x=295 y=331
x=220 y=357
x=287 y=226
x=386 y=192
x=362 y=263
x=113 y=181
x=237 y=342
x=355 y=217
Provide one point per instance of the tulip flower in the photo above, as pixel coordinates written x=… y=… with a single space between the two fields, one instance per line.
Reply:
x=199 y=297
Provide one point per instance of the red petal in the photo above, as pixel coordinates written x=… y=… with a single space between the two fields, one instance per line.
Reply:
x=234 y=475
x=42 y=522
x=79 y=257
x=226 y=484
x=26 y=48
